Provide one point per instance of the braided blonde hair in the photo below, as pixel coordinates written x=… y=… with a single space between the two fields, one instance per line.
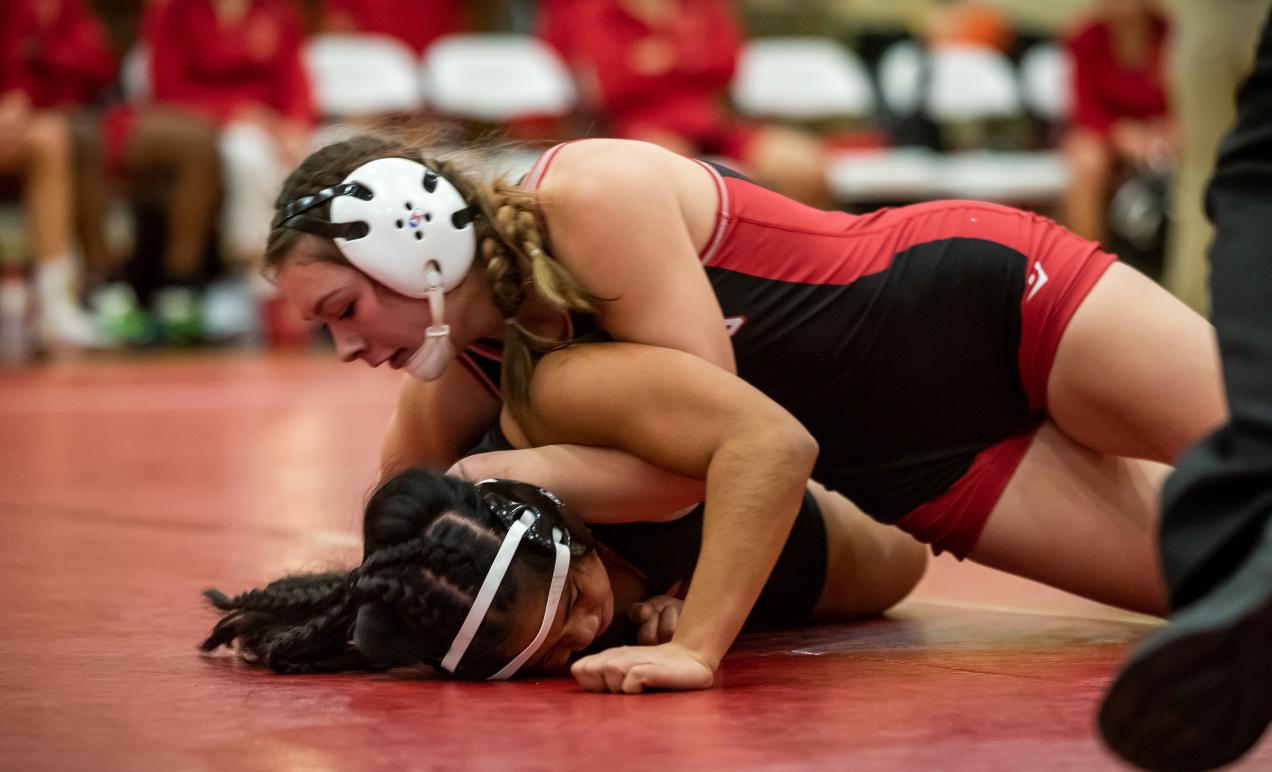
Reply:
x=511 y=247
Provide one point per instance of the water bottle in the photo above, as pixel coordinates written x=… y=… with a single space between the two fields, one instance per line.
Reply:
x=15 y=327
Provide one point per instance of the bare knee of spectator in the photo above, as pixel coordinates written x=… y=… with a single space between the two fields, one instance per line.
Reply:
x=172 y=138
x=1089 y=159
x=86 y=143
x=47 y=142
x=794 y=163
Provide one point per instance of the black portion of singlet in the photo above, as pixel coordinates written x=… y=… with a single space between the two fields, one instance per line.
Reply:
x=902 y=376
x=667 y=552
x=725 y=171
x=897 y=423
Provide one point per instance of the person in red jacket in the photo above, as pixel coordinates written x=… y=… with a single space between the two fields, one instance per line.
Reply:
x=55 y=52
x=415 y=22
x=237 y=63
x=661 y=70
x=1120 y=115
x=51 y=56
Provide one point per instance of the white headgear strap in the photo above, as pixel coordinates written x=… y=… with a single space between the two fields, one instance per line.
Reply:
x=559 y=570
x=436 y=352
x=485 y=595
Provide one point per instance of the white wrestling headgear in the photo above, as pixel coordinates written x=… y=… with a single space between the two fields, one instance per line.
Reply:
x=405 y=226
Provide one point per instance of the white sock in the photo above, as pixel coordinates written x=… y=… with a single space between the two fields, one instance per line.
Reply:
x=63 y=320
x=55 y=279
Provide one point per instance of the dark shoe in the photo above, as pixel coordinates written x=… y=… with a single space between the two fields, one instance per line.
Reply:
x=1197 y=694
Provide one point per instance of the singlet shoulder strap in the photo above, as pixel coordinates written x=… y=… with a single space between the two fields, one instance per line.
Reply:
x=723 y=212
x=484 y=361
x=534 y=177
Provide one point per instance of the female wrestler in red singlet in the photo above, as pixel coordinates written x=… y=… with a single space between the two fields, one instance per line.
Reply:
x=972 y=373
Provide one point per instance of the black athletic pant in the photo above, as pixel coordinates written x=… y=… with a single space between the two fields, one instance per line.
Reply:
x=1219 y=499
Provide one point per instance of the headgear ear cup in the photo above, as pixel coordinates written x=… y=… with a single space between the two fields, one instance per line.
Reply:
x=413 y=242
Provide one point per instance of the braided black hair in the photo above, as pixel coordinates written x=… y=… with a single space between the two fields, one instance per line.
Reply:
x=428 y=543
x=298 y=624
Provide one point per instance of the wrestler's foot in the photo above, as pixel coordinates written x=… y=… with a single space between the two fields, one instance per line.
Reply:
x=1197 y=694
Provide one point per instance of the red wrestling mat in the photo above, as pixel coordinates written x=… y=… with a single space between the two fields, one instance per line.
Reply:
x=126 y=488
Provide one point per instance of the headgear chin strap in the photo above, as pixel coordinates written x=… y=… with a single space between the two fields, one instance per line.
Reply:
x=433 y=356
x=494 y=578
x=405 y=226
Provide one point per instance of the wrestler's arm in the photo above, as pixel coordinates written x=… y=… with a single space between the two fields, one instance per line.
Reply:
x=682 y=414
x=618 y=215
x=617 y=218
x=436 y=422
x=654 y=291
x=599 y=485
x=870 y=567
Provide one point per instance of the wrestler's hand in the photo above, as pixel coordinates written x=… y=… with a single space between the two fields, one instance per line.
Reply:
x=656 y=618
x=633 y=669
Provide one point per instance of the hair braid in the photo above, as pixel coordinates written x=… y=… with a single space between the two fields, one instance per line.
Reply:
x=425 y=606
x=388 y=557
x=431 y=593
x=430 y=544
x=298 y=624
x=454 y=564
x=514 y=254
x=318 y=645
x=430 y=587
x=451 y=553
x=288 y=594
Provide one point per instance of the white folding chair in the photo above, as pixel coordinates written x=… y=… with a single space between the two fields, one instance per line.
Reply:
x=901 y=77
x=916 y=174
x=1020 y=178
x=1046 y=81
x=495 y=78
x=801 y=78
x=889 y=175
x=356 y=75
x=969 y=83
